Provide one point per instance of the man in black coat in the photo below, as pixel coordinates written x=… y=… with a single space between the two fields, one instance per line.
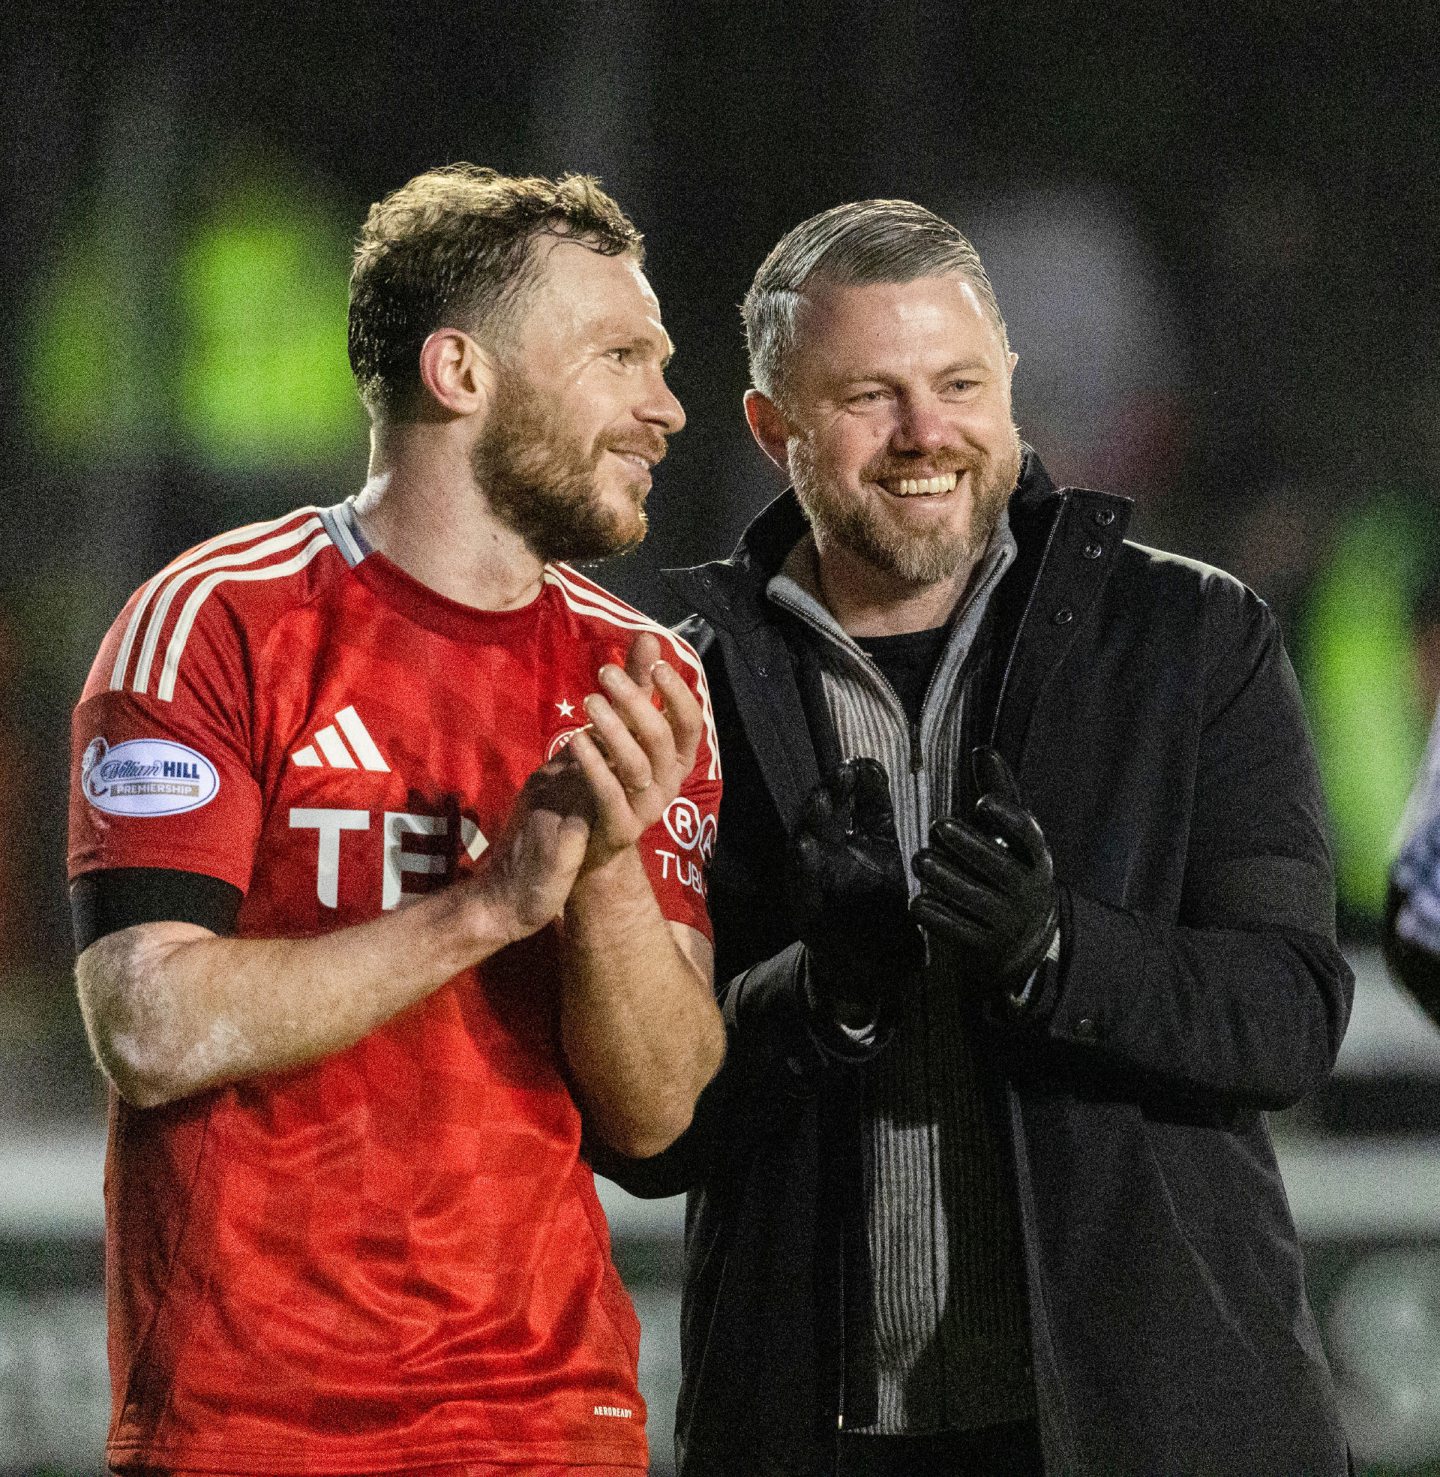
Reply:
x=1024 y=916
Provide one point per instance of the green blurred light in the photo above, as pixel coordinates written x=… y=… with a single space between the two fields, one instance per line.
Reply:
x=231 y=347
x=263 y=376
x=83 y=382
x=1362 y=693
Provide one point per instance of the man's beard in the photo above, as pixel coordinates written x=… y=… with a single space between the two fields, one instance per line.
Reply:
x=915 y=557
x=545 y=486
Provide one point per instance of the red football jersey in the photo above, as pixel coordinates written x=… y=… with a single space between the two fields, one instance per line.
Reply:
x=394 y=1257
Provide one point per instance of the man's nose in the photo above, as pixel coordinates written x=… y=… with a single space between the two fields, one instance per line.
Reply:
x=923 y=425
x=661 y=408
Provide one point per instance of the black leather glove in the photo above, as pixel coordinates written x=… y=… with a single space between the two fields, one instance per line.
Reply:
x=987 y=885
x=849 y=897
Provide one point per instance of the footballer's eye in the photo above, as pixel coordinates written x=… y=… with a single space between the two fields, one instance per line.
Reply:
x=622 y=353
x=867 y=397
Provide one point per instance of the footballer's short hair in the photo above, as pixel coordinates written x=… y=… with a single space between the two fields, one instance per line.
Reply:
x=451 y=248
x=866 y=241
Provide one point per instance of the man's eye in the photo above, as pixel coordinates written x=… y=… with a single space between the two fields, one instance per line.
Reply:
x=962 y=385
x=867 y=397
x=622 y=355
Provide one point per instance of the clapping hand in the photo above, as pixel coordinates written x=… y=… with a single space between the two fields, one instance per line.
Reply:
x=848 y=895
x=600 y=793
x=987 y=884
x=632 y=756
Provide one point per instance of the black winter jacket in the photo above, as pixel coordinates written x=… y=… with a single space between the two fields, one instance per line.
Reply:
x=1147 y=707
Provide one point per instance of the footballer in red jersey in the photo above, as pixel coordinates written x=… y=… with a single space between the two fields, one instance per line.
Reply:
x=382 y=906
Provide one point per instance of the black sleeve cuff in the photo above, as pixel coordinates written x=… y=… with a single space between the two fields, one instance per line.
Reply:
x=837 y=1040
x=105 y=902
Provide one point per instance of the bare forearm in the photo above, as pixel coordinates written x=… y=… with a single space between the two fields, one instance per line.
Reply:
x=172 y=1009
x=640 y=1027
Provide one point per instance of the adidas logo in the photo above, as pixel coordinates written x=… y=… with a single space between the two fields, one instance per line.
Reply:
x=333 y=752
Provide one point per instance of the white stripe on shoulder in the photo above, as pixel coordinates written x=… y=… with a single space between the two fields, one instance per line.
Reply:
x=185 y=561
x=253 y=555
x=166 y=691
x=603 y=603
x=587 y=598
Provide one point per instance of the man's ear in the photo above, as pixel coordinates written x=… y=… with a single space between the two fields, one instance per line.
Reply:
x=769 y=428
x=457 y=373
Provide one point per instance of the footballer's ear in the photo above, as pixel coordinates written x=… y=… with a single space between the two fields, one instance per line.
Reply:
x=769 y=428
x=457 y=373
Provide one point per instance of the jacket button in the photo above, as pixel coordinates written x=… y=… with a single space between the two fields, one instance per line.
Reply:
x=795 y=1066
x=1092 y=550
x=1104 y=516
x=1085 y=1029
x=1063 y=616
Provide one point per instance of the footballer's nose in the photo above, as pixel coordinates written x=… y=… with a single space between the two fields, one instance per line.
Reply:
x=662 y=409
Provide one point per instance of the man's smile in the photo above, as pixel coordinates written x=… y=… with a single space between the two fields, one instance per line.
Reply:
x=919 y=486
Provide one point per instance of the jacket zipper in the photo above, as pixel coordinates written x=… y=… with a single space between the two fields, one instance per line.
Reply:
x=917 y=770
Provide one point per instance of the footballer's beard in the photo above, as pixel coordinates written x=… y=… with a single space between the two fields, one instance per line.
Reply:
x=546 y=487
x=910 y=555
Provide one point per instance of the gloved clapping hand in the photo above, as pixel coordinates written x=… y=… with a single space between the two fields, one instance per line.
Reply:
x=987 y=884
x=849 y=896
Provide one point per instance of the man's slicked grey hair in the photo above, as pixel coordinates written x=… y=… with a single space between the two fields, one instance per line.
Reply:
x=866 y=241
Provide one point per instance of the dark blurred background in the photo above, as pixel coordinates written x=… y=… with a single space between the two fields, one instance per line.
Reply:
x=1213 y=231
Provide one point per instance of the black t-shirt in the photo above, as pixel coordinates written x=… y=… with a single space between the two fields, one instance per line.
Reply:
x=908 y=662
